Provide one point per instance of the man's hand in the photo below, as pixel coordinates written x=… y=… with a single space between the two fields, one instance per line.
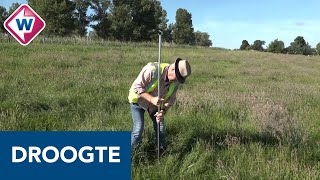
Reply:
x=156 y=101
x=159 y=116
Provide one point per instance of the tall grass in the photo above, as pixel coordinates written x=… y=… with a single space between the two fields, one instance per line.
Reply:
x=77 y=40
x=241 y=115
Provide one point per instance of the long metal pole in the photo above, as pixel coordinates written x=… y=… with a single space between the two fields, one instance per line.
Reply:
x=158 y=123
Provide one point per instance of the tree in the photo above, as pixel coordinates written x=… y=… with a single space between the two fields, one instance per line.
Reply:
x=13 y=7
x=299 y=46
x=276 y=46
x=318 y=48
x=313 y=51
x=121 y=20
x=202 y=39
x=82 y=20
x=168 y=33
x=257 y=45
x=3 y=17
x=161 y=21
x=146 y=17
x=183 y=29
x=244 y=45
x=137 y=20
x=57 y=14
x=100 y=17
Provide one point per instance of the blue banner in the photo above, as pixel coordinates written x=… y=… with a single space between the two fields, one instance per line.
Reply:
x=65 y=155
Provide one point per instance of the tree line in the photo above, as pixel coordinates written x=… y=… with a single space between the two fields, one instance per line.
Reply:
x=298 y=46
x=121 y=20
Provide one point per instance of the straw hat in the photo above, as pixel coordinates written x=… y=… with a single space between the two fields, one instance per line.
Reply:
x=182 y=70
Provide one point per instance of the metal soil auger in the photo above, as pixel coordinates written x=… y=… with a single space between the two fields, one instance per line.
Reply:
x=158 y=123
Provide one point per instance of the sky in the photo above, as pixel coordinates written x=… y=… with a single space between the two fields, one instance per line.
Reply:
x=228 y=22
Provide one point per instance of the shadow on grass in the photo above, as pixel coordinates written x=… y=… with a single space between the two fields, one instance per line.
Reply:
x=217 y=140
x=221 y=140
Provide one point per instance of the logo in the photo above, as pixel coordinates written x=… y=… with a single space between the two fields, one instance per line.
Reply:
x=34 y=152
x=65 y=155
x=24 y=24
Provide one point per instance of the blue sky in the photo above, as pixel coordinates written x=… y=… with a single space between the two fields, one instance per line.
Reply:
x=228 y=22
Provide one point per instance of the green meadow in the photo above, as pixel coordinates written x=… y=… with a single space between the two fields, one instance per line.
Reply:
x=240 y=115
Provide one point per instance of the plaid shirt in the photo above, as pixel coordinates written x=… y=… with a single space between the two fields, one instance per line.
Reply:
x=143 y=79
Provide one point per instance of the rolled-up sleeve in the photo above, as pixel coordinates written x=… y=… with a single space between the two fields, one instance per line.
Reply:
x=143 y=79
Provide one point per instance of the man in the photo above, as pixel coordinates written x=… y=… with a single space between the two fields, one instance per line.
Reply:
x=143 y=96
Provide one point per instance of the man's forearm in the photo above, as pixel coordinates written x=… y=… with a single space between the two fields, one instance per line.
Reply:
x=146 y=96
x=150 y=98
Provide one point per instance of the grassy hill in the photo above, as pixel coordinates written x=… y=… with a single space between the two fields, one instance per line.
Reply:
x=241 y=115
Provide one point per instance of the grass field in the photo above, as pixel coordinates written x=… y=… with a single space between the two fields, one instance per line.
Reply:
x=241 y=115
